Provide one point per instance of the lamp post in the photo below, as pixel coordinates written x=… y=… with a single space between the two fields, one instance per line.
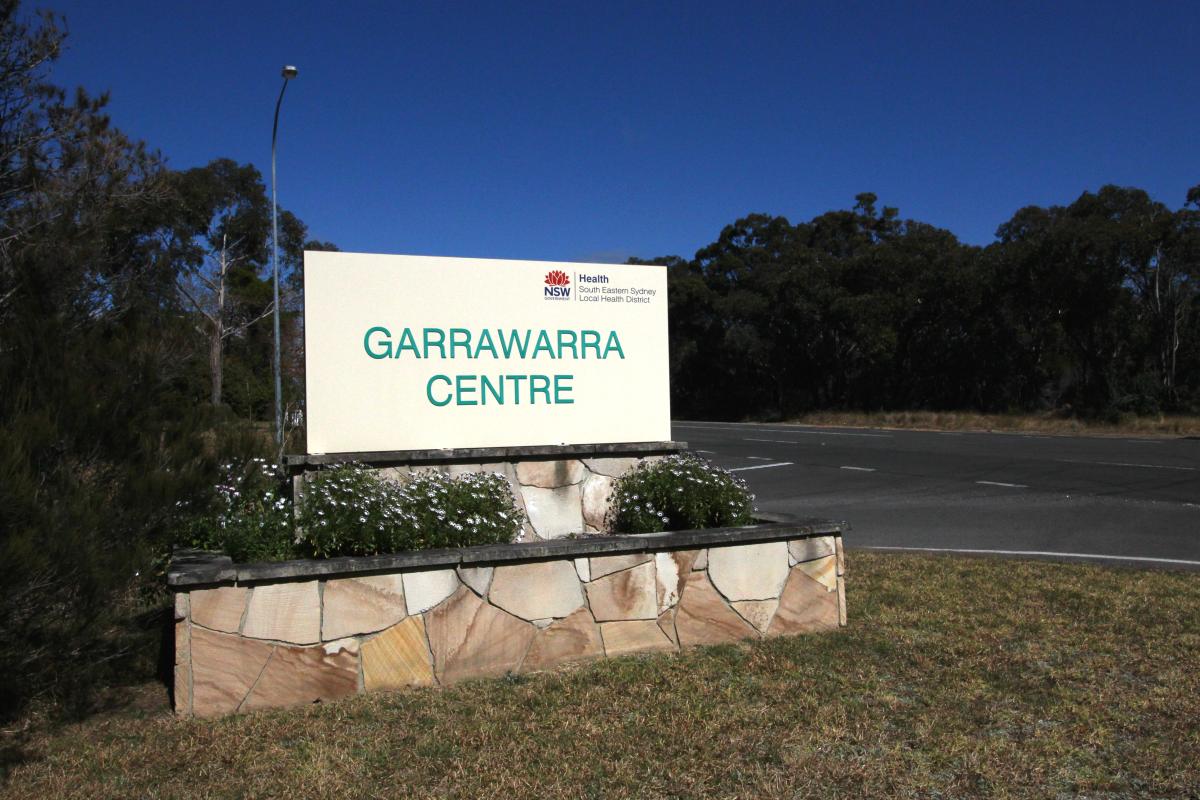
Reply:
x=288 y=73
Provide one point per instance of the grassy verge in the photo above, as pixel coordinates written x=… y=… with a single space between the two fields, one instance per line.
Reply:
x=956 y=678
x=1024 y=423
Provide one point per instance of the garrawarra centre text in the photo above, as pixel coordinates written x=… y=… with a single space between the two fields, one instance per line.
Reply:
x=472 y=389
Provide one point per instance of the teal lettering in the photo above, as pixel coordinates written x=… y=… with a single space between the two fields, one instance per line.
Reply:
x=460 y=337
x=440 y=344
x=613 y=344
x=429 y=389
x=584 y=343
x=387 y=342
x=508 y=345
x=463 y=388
x=562 y=388
x=543 y=343
x=535 y=388
x=407 y=343
x=489 y=388
x=485 y=336
x=516 y=379
x=563 y=343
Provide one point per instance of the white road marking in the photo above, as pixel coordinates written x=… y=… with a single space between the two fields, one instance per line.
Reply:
x=1035 y=553
x=860 y=469
x=758 y=458
x=785 y=430
x=1006 y=485
x=709 y=452
x=1126 y=464
x=763 y=466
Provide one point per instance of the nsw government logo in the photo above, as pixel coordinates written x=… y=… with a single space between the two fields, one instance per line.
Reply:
x=556 y=285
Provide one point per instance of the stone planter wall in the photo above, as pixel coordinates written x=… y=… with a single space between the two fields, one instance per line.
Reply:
x=562 y=490
x=261 y=636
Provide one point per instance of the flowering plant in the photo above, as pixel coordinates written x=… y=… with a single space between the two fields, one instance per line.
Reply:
x=350 y=510
x=678 y=492
x=251 y=516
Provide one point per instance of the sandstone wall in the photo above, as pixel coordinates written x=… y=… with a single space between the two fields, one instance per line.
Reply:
x=261 y=644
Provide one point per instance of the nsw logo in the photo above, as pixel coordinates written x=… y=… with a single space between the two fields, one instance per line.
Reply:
x=557 y=285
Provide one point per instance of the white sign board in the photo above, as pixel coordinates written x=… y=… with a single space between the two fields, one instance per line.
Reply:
x=418 y=353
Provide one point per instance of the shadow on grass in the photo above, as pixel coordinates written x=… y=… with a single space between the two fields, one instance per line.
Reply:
x=105 y=673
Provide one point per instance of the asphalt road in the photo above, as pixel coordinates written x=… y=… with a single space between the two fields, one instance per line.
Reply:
x=1129 y=500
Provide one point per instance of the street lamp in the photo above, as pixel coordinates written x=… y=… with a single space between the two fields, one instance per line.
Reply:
x=288 y=73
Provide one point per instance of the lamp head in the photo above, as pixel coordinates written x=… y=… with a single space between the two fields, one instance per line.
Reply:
x=290 y=72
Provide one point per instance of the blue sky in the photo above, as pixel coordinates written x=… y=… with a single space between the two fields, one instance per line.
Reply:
x=594 y=131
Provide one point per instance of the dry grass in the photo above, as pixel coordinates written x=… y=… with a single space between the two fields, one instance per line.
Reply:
x=956 y=678
x=1025 y=423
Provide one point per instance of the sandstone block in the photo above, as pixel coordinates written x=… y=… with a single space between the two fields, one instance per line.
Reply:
x=596 y=494
x=823 y=571
x=182 y=694
x=286 y=612
x=749 y=571
x=583 y=569
x=757 y=612
x=634 y=636
x=841 y=596
x=670 y=569
x=575 y=638
x=805 y=606
x=702 y=616
x=478 y=578
x=611 y=467
x=538 y=590
x=629 y=594
x=666 y=623
x=424 y=590
x=800 y=550
x=549 y=474
x=701 y=561
x=607 y=565
x=554 y=513
x=302 y=675
x=841 y=555
x=182 y=605
x=354 y=606
x=472 y=639
x=219 y=609
x=224 y=667
x=398 y=657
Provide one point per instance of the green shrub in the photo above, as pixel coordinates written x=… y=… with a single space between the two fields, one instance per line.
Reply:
x=250 y=518
x=349 y=510
x=680 y=492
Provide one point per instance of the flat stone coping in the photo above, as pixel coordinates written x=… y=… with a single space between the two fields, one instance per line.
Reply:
x=196 y=568
x=486 y=454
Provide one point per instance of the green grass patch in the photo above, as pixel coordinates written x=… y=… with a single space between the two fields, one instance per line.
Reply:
x=956 y=678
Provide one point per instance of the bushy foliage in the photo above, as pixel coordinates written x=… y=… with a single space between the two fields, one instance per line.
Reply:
x=1091 y=309
x=251 y=515
x=680 y=492
x=350 y=510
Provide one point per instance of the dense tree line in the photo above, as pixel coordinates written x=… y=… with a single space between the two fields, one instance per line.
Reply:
x=133 y=357
x=1090 y=309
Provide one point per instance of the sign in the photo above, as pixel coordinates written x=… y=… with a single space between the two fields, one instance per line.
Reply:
x=419 y=353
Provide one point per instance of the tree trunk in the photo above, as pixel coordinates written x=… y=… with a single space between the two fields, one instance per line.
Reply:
x=216 y=365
